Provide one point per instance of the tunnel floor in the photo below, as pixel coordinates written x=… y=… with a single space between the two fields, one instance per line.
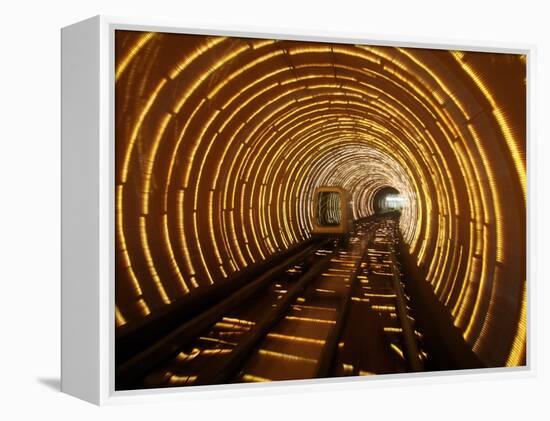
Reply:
x=339 y=310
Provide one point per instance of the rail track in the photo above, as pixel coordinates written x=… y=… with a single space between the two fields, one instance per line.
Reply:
x=337 y=307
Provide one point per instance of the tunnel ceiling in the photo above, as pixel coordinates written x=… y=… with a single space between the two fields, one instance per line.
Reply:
x=220 y=143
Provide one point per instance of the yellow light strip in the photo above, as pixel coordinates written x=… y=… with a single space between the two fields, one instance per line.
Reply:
x=123 y=63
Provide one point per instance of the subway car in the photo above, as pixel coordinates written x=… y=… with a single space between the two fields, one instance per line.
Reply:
x=331 y=211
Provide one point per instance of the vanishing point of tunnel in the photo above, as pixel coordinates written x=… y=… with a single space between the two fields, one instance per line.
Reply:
x=292 y=210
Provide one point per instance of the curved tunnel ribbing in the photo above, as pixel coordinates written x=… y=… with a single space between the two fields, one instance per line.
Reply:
x=221 y=142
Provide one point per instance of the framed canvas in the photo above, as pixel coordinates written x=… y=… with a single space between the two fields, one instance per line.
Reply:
x=244 y=210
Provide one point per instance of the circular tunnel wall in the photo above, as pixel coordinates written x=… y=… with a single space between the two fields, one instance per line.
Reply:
x=221 y=142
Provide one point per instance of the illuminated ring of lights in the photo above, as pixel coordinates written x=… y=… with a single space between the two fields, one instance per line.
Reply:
x=217 y=172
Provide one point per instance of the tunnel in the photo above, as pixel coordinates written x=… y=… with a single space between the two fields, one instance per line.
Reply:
x=221 y=143
x=387 y=199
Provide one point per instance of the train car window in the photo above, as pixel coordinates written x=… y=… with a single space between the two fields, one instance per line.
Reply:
x=329 y=210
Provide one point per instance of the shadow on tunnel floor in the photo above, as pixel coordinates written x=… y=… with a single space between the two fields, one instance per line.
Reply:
x=444 y=341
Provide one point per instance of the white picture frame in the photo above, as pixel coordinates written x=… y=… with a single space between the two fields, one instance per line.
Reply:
x=88 y=318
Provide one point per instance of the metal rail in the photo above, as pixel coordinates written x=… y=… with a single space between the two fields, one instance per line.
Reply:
x=133 y=338
x=226 y=369
x=128 y=373
x=411 y=347
x=331 y=346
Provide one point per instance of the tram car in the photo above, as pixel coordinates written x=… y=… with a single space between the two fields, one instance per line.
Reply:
x=331 y=211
